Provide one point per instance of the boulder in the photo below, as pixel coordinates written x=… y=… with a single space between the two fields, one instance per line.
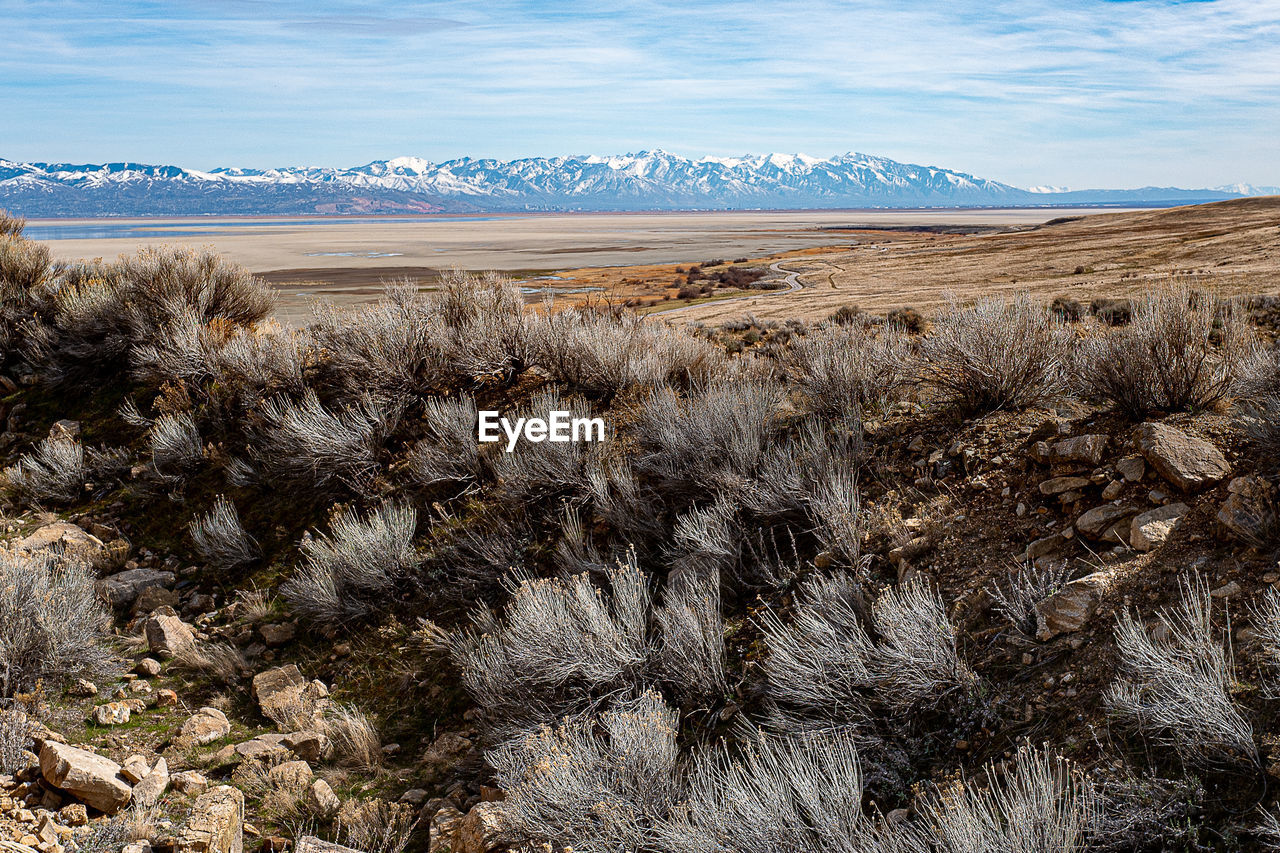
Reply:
x=1132 y=468
x=291 y=776
x=322 y=800
x=90 y=778
x=189 y=782
x=481 y=830
x=216 y=823
x=122 y=589
x=1071 y=607
x=443 y=834
x=1088 y=449
x=1101 y=522
x=167 y=634
x=309 y=746
x=1150 y=530
x=1184 y=460
x=205 y=726
x=1058 y=485
x=279 y=692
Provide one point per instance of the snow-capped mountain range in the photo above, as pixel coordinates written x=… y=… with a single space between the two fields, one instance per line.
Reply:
x=649 y=180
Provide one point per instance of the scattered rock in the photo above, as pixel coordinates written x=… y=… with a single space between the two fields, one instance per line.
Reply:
x=167 y=634
x=215 y=823
x=1082 y=448
x=309 y=746
x=1227 y=590
x=121 y=590
x=414 y=796
x=111 y=714
x=278 y=634
x=166 y=698
x=1249 y=511
x=443 y=754
x=1058 y=485
x=71 y=540
x=1100 y=523
x=205 y=726
x=291 y=776
x=311 y=844
x=65 y=428
x=443 y=833
x=1112 y=490
x=147 y=667
x=135 y=769
x=1188 y=462
x=74 y=815
x=1043 y=547
x=481 y=830
x=189 y=782
x=148 y=792
x=1132 y=468
x=1150 y=530
x=155 y=597
x=279 y=692
x=88 y=777
x=323 y=801
x=267 y=747
x=1072 y=607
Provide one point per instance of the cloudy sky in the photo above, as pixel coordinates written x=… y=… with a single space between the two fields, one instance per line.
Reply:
x=1077 y=93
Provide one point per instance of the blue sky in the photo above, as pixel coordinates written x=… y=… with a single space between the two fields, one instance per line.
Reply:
x=1076 y=93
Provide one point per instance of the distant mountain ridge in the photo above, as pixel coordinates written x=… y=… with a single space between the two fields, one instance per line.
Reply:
x=648 y=180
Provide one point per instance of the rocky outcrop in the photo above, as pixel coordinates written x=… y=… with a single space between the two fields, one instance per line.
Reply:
x=90 y=778
x=1188 y=462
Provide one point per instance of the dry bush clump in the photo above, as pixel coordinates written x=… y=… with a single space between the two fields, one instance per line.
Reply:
x=355 y=739
x=1265 y=613
x=560 y=646
x=801 y=793
x=15 y=738
x=690 y=653
x=304 y=444
x=599 y=785
x=850 y=369
x=1025 y=588
x=52 y=625
x=1183 y=351
x=916 y=662
x=489 y=335
x=995 y=355
x=1041 y=804
x=376 y=826
x=55 y=473
x=221 y=539
x=176 y=448
x=835 y=506
x=348 y=574
x=542 y=468
x=1174 y=685
x=448 y=453
x=713 y=440
x=600 y=354
x=220 y=661
x=818 y=670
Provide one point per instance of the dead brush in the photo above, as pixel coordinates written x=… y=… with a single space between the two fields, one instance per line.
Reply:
x=221 y=661
x=850 y=369
x=221 y=539
x=1183 y=351
x=376 y=826
x=15 y=738
x=356 y=743
x=995 y=355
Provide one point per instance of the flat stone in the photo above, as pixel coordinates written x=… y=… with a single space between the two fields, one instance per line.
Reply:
x=1132 y=468
x=1151 y=529
x=279 y=692
x=1082 y=448
x=111 y=714
x=121 y=589
x=1188 y=462
x=90 y=778
x=215 y=824
x=72 y=540
x=1071 y=608
x=1100 y=522
x=1058 y=485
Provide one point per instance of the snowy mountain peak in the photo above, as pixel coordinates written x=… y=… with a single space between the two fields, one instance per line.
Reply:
x=643 y=180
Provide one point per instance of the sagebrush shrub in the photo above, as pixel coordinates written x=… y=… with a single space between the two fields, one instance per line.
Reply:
x=303 y=443
x=349 y=573
x=1025 y=588
x=1182 y=351
x=690 y=651
x=598 y=785
x=52 y=625
x=15 y=734
x=543 y=468
x=221 y=539
x=55 y=472
x=850 y=369
x=176 y=448
x=1174 y=685
x=995 y=355
x=916 y=661
x=448 y=453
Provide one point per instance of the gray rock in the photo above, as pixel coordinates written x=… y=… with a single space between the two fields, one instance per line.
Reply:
x=1100 y=523
x=1188 y=462
x=1132 y=468
x=167 y=634
x=1058 y=485
x=120 y=590
x=1083 y=448
x=1151 y=529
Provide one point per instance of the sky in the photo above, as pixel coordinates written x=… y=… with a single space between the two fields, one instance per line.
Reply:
x=1069 y=93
